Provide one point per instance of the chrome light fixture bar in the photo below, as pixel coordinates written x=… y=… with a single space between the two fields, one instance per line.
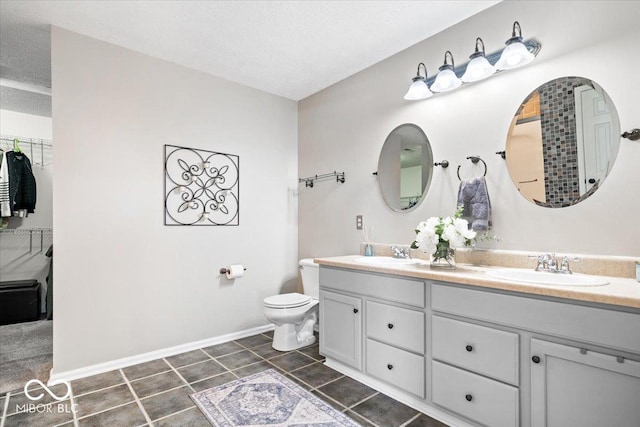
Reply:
x=516 y=53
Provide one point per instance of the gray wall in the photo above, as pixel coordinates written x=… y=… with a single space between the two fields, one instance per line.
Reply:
x=343 y=128
x=125 y=283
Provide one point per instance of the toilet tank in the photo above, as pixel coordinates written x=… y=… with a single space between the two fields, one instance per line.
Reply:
x=310 y=273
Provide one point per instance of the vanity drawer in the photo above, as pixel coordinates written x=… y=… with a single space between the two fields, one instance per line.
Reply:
x=487 y=351
x=397 y=326
x=567 y=320
x=394 y=289
x=478 y=398
x=397 y=367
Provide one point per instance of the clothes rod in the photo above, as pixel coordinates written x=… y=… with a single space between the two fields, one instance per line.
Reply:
x=39 y=143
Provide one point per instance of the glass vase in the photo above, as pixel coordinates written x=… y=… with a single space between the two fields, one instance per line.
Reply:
x=444 y=258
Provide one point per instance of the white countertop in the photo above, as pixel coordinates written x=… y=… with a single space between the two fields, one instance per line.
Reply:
x=620 y=291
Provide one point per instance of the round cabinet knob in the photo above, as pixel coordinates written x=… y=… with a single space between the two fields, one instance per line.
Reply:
x=468 y=397
x=592 y=180
x=469 y=348
x=390 y=326
x=389 y=366
x=355 y=310
x=535 y=359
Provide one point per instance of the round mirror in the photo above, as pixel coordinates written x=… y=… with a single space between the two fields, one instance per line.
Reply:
x=405 y=167
x=562 y=142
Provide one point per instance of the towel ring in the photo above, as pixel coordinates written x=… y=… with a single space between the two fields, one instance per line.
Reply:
x=474 y=160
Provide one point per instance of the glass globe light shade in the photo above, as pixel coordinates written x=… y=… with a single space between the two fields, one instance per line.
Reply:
x=418 y=90
x=514 y=55
x=477 y=69
x=446 y=80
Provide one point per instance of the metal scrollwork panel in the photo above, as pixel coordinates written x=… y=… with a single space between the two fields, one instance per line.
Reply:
x=201 y=187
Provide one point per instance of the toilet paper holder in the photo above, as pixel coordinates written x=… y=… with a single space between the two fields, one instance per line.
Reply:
x=223 y=270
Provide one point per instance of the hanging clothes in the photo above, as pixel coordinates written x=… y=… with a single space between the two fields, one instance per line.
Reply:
x=5 y=206
x=22 y=183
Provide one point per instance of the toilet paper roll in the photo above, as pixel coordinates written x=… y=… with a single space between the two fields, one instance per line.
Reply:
x=234 y=271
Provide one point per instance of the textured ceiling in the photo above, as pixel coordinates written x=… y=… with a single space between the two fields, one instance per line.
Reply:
x=288 y=48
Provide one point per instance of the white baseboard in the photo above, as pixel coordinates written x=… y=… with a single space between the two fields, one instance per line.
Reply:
x=100 y=368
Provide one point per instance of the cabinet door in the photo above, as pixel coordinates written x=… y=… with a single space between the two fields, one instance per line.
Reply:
x=574 y=387
x=341 y=328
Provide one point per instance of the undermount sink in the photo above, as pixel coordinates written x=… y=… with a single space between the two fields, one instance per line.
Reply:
x=384 y=260
x=545 y=278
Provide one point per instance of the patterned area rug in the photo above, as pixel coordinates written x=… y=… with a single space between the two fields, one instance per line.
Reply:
x=267 y=398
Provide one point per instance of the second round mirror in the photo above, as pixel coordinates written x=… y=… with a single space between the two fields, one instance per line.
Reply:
x=563 y=142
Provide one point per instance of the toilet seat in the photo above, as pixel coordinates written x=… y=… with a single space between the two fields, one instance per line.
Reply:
x=291 y=300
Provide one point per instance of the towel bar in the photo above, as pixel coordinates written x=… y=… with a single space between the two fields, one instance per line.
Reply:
x=474 y=160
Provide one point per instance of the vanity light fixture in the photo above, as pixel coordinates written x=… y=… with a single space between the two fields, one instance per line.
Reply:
x=418 y=89
x=479 y=67
x=515 y=54
x=446 y=79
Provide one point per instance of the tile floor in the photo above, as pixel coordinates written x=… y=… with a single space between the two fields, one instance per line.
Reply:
x=157 y=393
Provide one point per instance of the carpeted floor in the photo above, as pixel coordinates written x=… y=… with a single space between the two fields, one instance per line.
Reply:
x=26 y=352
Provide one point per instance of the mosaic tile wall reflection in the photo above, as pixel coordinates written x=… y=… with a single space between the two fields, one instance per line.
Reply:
x=559 y=142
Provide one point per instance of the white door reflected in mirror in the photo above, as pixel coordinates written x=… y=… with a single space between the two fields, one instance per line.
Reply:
x=562 y=142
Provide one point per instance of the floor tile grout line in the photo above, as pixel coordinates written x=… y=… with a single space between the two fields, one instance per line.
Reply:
x=135 y=396
x=363 y=400
x=406 y=423
x=313 y=363
x=106 y=410
x=148 y=376
x=97 y=390
x=331 y=381
x=175 y=413
x=182 y=378
x=311 y=388
x=255 y=363
x=5 y=408
x=208 y=378
x=161 y=392
x=344 y=408
x=365 y=418
x=73 y=405
x=193 y=364
x=226 y=354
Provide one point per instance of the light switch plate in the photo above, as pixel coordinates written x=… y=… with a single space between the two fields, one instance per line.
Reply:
x=358 y=222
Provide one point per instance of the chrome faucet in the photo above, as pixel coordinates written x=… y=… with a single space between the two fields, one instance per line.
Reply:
x=548 y=263
x=400 y=251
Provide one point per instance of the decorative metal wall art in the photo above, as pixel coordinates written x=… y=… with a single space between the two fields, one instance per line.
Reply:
x=201 y=187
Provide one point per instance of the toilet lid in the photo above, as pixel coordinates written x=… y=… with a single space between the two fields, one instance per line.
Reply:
x=291 y=300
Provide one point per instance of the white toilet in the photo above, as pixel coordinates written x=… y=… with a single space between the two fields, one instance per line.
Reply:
x=295 y=314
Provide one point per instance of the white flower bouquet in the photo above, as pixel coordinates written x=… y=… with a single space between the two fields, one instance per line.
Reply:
x=440 y=237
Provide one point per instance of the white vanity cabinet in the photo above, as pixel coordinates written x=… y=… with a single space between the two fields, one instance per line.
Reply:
x=476 y=356
x=579 y=363
x=573 y=386
x=341 y=323
x=393 y=332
